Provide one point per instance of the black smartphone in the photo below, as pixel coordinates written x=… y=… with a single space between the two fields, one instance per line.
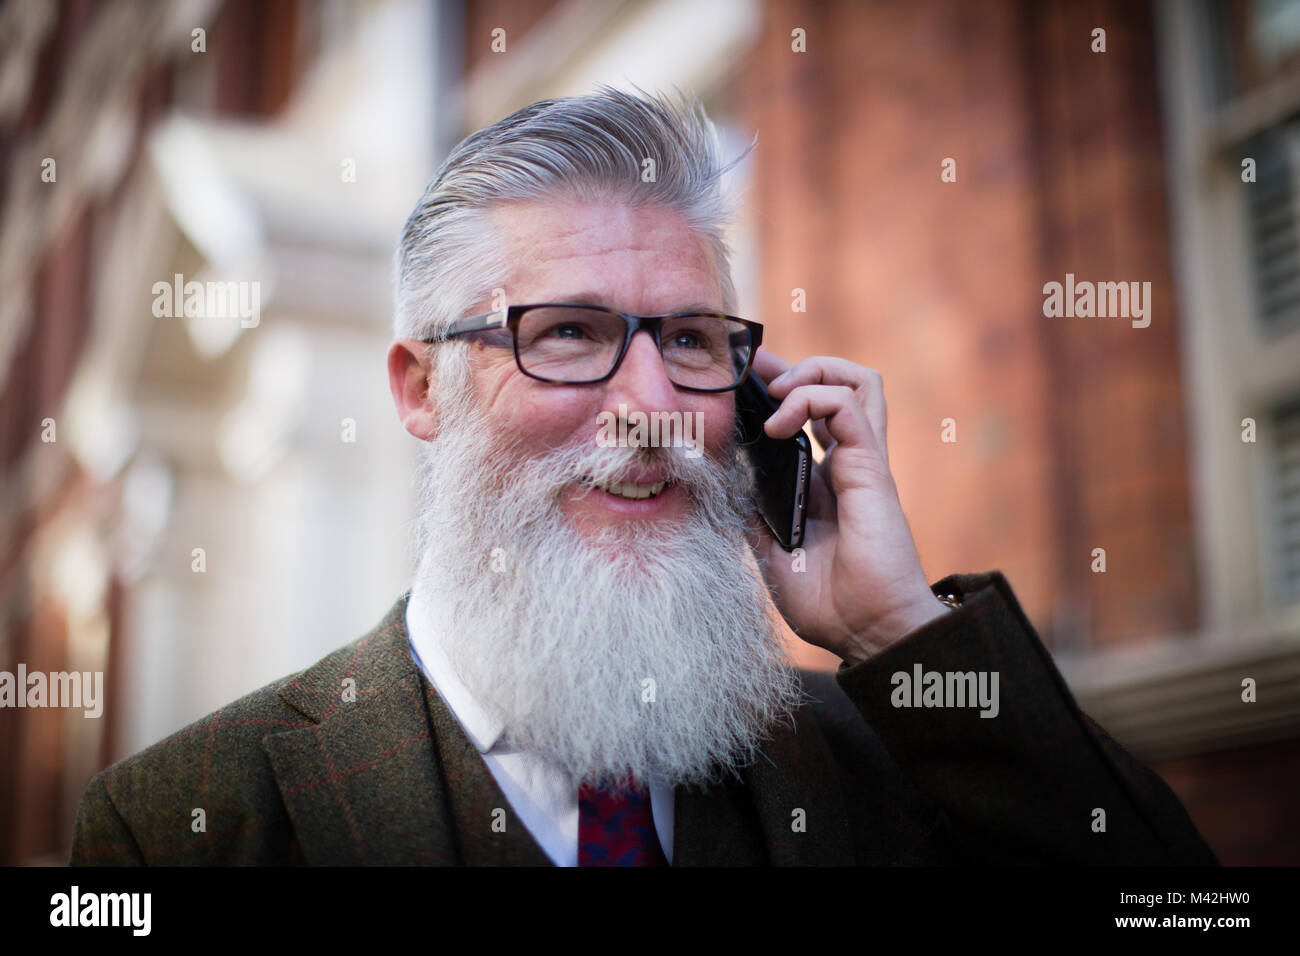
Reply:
x=780 y=465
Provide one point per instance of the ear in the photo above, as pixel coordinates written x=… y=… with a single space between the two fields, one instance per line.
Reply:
x=410 y=379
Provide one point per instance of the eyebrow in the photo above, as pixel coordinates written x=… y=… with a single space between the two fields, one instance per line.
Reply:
x=594 y=298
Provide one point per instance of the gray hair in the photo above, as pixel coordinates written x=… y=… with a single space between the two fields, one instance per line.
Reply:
x=582 y=148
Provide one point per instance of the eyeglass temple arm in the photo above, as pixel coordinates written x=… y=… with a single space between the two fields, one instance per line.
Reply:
x=474 y=323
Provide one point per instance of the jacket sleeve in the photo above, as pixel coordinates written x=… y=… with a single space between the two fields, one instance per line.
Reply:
x=1034 y=781
x=101 y=836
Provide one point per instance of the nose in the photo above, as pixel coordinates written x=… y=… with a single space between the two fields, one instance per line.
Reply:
x=641 y=382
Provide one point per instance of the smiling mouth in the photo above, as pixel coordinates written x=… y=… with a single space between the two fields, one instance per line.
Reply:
x=632 y=490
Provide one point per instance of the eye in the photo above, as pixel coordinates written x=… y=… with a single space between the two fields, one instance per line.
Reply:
x=686 y=340
x=568 y=330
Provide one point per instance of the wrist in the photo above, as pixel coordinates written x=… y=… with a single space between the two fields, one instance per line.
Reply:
x=895 y=627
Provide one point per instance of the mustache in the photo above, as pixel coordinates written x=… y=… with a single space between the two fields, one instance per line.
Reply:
x=469 y=474
x=592 y=464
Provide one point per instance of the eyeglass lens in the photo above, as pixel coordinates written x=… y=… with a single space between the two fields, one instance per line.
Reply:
x=572 y=345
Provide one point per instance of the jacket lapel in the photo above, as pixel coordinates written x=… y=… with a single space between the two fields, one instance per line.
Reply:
x=716 y=826
x=386 y=778
x=787 y=809
x=795 y=788
x=488 y=830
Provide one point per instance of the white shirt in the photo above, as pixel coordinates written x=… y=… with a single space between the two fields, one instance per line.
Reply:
x=543 y=796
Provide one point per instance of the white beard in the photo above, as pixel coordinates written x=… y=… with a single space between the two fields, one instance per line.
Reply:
x=558 y=635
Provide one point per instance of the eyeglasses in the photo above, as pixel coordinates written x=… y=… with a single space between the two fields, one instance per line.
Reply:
x=570 y=344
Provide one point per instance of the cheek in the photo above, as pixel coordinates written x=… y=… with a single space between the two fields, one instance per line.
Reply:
x=544 y=420
x=717 y=419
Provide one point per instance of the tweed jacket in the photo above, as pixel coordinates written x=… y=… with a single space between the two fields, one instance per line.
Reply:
x=296 y=774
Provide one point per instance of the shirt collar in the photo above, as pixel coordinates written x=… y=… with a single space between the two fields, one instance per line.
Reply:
x=481 y=727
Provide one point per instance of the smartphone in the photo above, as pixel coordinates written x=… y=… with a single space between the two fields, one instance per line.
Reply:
x=780 y=465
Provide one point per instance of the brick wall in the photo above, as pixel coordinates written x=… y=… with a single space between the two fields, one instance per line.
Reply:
x=1069 y=431
x=257 y=54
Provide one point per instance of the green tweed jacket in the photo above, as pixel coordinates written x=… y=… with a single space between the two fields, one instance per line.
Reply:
x=296 y=774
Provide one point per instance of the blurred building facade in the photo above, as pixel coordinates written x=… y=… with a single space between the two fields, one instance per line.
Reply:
x=196 y=505
x=922 y=171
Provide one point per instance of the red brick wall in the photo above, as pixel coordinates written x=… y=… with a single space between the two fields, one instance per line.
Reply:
x=1069 y=431
x=1117 y=392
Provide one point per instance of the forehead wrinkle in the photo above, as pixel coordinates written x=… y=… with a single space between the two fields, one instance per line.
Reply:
x=536 y=251
x=558 y=249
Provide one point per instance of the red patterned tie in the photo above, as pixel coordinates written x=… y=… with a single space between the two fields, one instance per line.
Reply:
x=616 y=828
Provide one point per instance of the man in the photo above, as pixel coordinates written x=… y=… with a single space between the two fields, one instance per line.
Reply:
x=589 y=668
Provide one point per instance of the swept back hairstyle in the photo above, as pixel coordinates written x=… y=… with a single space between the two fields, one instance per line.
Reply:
x=610 y=145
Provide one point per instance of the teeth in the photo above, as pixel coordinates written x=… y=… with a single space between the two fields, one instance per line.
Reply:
x=630 y=489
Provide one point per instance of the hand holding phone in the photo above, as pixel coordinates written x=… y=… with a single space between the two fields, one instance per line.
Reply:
x=861 y=586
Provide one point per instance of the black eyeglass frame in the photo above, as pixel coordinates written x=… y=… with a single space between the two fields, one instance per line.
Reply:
x=509 y=317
